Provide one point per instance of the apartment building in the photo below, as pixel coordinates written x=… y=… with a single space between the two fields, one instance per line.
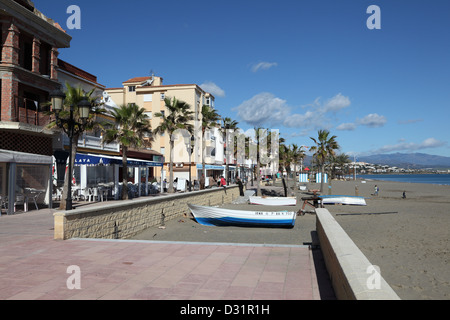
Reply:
x=28 y=73
x=149 y=93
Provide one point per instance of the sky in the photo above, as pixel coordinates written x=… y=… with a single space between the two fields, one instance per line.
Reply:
x=378 y=78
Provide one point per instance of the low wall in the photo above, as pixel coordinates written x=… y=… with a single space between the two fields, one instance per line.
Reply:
x=124 y=219
x=352 y=275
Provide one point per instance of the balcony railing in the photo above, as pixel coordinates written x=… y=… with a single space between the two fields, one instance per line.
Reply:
x=91 y=142
x=30 y=112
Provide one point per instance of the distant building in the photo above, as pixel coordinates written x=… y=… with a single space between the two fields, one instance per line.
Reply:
x=97 y=163
x=149 y=93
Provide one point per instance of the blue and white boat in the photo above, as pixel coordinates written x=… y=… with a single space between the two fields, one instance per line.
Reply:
x=273 y=201
x=212 y=216
x=342 y=199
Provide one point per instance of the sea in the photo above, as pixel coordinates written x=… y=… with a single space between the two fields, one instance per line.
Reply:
x=442 y=179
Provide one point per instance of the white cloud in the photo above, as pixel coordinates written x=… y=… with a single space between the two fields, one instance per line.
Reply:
x=411 y=146
x=263 y=66
x=372 y=120
x=263 y=108
x=213 y=88
x=336 y=103
x=346 y=127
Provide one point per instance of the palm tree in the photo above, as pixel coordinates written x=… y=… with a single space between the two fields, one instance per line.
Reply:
x=325 y=146
x=297 y=155
x=228 y=124
x=210 y=117
x=259 y=139
x=340 y=161
x=132 y=130
x=73 y=97
x=178 y=117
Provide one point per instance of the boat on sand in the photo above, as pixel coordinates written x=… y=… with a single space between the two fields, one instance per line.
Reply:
x=273 y=201
x=213 y=216
x=343 y=199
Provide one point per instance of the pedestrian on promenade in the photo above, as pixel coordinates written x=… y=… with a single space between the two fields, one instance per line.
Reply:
x=241 y=186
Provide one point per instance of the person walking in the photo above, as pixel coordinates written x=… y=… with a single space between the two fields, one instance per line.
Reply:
x=241 y=186
x=376 y=190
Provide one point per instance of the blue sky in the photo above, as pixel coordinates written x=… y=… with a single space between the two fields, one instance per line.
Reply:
x=297 y=66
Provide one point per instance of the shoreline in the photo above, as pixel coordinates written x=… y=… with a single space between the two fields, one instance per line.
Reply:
x=409 y=243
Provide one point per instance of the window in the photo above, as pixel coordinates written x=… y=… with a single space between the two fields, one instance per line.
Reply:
x=148 y=97
x=207 y=101
x=163 y=96
x=148 y=114
x=162 y=150
x=131 y=88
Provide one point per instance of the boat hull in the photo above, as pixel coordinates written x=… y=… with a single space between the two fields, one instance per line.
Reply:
x=347 y=200
x=210 y=216
x=273 y=201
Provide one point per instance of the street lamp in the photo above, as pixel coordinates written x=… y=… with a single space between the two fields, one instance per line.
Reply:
x=191 y=149
x=57 y=98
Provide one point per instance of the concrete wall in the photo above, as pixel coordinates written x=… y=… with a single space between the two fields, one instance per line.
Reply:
x=124 y=219
x=352 y=275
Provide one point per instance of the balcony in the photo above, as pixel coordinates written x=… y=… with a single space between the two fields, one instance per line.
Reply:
x=92 y=142
x=30 y=112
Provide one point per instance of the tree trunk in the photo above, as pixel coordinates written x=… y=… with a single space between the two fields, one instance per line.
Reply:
x=68 y=175
x=171 y=190
x=287 y=180
x=295 y=178
x=322 y=177
x=124 y=173
x=258 y=179
x=202 y=186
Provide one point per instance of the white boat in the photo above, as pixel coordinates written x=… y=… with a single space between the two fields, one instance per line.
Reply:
x=212 y=216
x=342 y=199
x=273 y=201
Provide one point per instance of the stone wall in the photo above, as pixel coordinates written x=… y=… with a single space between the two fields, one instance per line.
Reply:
x=352 y=275
x=124 y=219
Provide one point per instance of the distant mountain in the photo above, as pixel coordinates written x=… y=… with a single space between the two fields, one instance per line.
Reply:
x=408 y=160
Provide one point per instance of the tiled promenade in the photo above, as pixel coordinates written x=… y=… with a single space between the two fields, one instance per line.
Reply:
x=34 y=266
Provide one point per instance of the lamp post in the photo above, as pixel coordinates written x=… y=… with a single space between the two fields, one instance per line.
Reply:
x=68 y=125
x=191 y=149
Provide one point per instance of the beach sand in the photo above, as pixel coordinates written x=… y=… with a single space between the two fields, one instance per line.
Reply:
x=410 y=245
x=408 y=239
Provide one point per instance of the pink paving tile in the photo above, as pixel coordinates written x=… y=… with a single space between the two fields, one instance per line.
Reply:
x=273 y=276
x=36 y=268
x=214 y=284
x=238 y=293
x=268 y=296
x=151 y=293
x=269 y=287
x=208 y=294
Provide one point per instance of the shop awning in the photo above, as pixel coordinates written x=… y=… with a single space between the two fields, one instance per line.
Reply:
x=210 y=167
x=21 y=157
x=96 y=159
